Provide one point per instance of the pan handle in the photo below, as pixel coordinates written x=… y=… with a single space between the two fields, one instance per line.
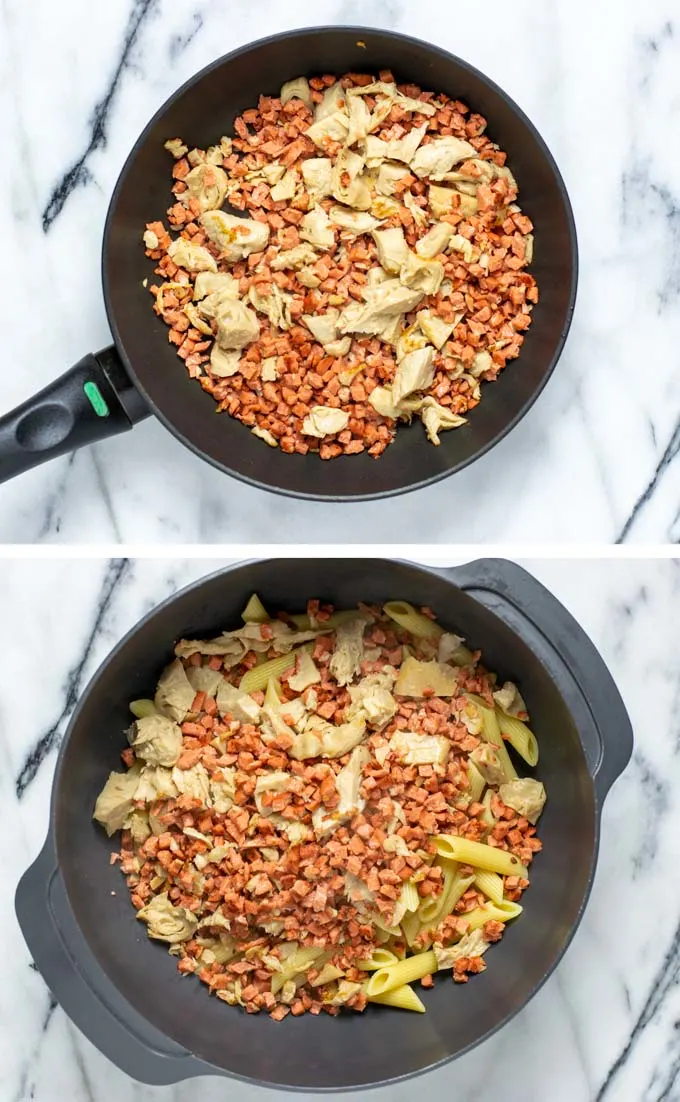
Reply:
x=516 y=597
x=76 y=980
x=93 y=400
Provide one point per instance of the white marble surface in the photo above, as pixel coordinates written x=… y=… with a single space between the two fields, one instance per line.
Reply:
x=596 y=459
x=605 y=1026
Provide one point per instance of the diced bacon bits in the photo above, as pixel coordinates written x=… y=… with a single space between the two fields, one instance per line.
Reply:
x=382 y=261
x=268 y=853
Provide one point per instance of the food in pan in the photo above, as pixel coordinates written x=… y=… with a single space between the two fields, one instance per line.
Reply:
x=377 y=270
x=320 y=809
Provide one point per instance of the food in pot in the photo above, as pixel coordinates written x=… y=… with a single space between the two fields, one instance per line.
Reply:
x=375 y=272
x=320 y=809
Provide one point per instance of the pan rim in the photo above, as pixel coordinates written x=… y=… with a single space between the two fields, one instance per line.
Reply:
x=208 y=1067
x=419 y=484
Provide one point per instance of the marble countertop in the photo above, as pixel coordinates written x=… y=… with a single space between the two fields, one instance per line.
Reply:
x=604 y=1028
x=594 y=460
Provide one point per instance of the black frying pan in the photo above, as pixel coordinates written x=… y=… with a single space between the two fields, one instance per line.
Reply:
x=141 y=374
x=124 y=992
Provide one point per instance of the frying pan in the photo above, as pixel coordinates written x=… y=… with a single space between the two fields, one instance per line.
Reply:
x=124 y=992
x=106 y=393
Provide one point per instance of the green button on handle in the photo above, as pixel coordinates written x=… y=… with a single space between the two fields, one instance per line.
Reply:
x=96 y=399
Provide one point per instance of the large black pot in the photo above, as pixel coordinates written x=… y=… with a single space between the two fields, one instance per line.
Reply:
x=140 y=374
x=124 y=992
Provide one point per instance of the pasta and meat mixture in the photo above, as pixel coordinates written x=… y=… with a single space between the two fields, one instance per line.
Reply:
x=319 y=810
x=375 y=270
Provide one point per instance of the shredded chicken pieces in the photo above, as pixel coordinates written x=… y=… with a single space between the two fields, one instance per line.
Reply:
x=370 y=223
x=284 y=795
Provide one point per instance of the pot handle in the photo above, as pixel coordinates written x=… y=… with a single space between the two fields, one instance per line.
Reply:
x=76 y=980
x=93 y=400
x=515 y=596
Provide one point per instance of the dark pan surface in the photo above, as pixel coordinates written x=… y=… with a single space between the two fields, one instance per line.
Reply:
x=307 y=1052
x=204 y=109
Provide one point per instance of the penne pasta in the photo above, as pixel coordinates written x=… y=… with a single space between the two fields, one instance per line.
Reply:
x=381 y=936
x=411 y=927
x=498 y=912
x=390 y=931
x=328 y=974
x=491 y=732
x=422 y=627
x=403 y=998
x=479 y=855
x=272 y=696
x=257 y=678
x=255 y=612
x=379 y=958
x=491 y=884
x=405 y=972
x=487 y=815
x=303 y=623
x=296 y=965
x=477 y=782
x=398 y=946
x=429 y=910
x=412 y=621
x=142 y=708
x=519 y=736
x=409 y=896
x=463 y=656
x=435 y=909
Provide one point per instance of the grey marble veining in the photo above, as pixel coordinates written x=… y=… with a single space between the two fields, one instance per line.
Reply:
x=603 y=1028
x=595 y=459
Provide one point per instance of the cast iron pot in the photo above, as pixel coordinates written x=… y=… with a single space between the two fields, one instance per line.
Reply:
x=124 y=991
x=140 y=374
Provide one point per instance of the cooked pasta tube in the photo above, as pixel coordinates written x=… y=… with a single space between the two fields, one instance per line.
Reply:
x=405 y=972
x=391 y=931
x=463 y=656
x=491 y=884
x=430 y=909
x=296 y=965
x=403 y=998
x=412 y=621
x=143 y=708
x=398 y=946
x=479 y=855
x=255 y=612
x=487 y=814
x=477 y=782
x=491 y=732
x=379 y=958
x=272 y=697
x=422 y=627
x=381 y=936
x=409 y=896
x=498 y=912
x=328 y=974
x=435 y=909
x=519 y=736
x=257 y=678
x=303 y=623
x=411 y=927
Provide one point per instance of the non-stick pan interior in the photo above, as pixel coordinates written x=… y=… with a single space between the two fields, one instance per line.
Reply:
x=203 y=111
x=320 y=1052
